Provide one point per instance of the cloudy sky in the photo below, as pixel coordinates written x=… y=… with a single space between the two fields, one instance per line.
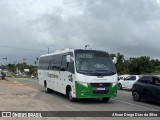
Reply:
x=29 y=27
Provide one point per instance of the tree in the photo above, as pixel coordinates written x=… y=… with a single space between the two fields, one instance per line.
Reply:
x=11 y=67
x=122 y=64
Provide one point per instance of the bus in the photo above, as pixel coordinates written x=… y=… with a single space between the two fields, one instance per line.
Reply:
x=79 y=73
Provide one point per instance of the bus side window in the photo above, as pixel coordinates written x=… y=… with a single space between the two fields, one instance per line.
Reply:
x=63 y=63
x=70 y=67
x=67 y=66
x=55 y=63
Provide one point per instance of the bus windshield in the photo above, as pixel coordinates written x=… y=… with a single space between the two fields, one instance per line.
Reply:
x=96 y=63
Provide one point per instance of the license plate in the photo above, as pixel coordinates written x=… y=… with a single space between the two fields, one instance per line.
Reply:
x=100 y=88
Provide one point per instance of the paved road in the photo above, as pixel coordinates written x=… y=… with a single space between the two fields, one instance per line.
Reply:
x=123 y=101
x=31 y=96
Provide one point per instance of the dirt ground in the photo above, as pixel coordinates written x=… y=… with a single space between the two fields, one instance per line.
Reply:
x=18 y=96
x=14 y=95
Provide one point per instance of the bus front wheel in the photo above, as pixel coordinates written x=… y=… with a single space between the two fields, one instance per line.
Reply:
x=105 y=99
x=70 y=95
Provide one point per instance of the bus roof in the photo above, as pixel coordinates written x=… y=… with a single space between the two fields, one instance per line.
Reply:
x=65 y=51
x=58 y=52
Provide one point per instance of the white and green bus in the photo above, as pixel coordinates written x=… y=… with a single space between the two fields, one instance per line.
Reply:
x=79 y=73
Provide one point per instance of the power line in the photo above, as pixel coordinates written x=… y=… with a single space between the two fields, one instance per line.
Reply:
x=21 y=48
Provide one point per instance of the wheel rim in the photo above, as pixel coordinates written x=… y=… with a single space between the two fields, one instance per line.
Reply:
x=46 y=88
x=136 y=96
x=120 y=86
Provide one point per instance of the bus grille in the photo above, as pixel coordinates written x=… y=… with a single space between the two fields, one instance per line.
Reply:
x=100 y=88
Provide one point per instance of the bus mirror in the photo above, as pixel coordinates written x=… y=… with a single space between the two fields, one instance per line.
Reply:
x=68 y=58
x=62 y=69
x=114 y=60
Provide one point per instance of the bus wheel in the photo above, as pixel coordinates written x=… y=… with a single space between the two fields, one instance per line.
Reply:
x=47 y=89
x=105 y=99
x=70 y=95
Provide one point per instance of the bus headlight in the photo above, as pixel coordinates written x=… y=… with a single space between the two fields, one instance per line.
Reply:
x=83 y=83
x=114 y=84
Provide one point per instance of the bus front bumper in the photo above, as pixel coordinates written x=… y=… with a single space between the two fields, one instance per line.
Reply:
x=96 y=90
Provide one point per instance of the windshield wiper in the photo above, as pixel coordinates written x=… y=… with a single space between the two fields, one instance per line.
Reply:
x=86 y=71
x=105 y=71
x=99 y=73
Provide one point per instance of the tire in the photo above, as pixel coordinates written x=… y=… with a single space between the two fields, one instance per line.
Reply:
x=105 y=99
x=47 y=89
x=120 y=86
x=70 y=95
x=136 y=96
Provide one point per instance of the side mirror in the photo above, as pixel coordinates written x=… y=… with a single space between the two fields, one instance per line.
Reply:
x=68 y=58
x=114 y=60
x=62 y=69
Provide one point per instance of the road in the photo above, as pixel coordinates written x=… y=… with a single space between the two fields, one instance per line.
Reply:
x=28 y=95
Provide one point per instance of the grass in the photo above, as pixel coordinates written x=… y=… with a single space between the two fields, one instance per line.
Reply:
x=15 y=76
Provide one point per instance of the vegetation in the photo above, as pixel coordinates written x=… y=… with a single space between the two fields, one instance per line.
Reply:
x=15 y=68
x=139 y=65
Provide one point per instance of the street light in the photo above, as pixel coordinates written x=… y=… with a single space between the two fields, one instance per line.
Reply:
x=24 y=59
x=86 y=46
x=4 y=58
x=35 y=62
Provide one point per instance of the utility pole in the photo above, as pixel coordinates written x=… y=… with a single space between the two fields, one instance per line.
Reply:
x=35 y=61
x=48 y=50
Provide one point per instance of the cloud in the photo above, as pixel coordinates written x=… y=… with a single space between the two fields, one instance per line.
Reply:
x=129 y=27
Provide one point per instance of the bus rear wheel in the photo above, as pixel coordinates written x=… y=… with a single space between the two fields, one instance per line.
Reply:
x=46 y=88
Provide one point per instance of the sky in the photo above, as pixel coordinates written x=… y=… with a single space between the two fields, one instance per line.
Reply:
x=28 y=28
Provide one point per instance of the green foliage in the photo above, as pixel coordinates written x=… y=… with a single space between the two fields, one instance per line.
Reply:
x=139 y=65
x=133 y=65
x=20 y=67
